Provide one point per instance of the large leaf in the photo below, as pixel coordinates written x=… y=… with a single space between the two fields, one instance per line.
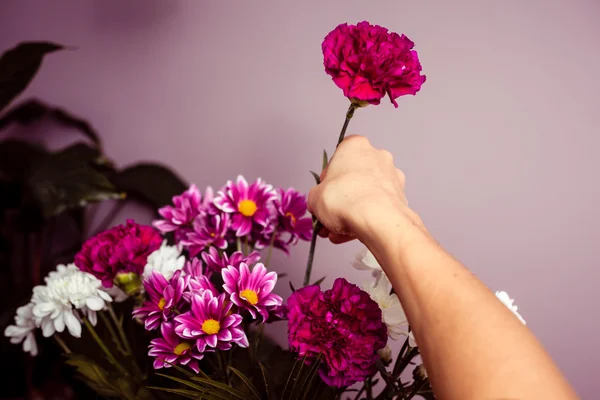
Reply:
x=17 y=156
x=19 y=65
x=152 y=183
x=34 y=110
x=69 y=179
x=96 y=377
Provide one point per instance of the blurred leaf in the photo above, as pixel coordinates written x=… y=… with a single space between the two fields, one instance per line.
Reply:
x=281 y=275
x=19 y=65
x=325 y=159
x=246 y=381
x=96 y=377
x=32 y=111
x=69 y=179
x=292 y=286
x=319 y=281
x=266 y=381
x=222 y=387
x=316 y=176
x=189 y=394
x=17 y=156
x=152 y=183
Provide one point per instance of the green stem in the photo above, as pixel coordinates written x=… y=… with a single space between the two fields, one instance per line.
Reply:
x=113 y=333
x=223 y=365
x=369 y=389
x=317 y=227
x=270 y=252
x=246 y=246
x=62 y=344
x=239 y=244
x=105 y=349
x=119 y=326
x=416 y=389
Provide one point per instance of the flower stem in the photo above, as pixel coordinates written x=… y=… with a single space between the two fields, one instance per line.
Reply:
x=105 y=349
x=270 y=252
x=317 y=226
x=239 y=244
x=119 y=326
x=62 y=344
x=113 y=333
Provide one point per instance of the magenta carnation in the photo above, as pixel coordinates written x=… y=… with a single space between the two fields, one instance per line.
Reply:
x=251 y=290
x=210 y=323
x=367 y=62
x=343 y=325
x=248 y=204
x=170 y=349
x=186 y=207
x=164 y=299
x=124 y=248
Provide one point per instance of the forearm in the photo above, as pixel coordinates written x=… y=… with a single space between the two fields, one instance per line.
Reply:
x=472 y=345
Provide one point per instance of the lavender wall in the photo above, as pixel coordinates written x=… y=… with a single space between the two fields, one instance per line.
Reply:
x=500 y=148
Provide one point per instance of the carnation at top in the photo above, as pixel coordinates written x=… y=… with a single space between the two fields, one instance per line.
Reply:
x=367 y=62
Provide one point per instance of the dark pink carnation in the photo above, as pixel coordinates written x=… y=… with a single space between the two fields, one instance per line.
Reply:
x=343 y=325
x=124 y=248
x=367 y=62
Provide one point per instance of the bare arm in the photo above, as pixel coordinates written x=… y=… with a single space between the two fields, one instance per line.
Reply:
x=472 y=345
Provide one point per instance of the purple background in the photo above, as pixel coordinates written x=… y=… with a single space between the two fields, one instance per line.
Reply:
x=500 y=147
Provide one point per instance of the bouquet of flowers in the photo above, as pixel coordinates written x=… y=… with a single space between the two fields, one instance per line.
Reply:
x=178 y=309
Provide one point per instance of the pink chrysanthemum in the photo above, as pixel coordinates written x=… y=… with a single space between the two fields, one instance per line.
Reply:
x=124 y=248
x=208 y=230
x=215 y=262
x=210 y=323
x=248 y=204
x=291 y=207
x=165 y=298
x=251 y=290
x=179 y=217
x=170 y=349
x=342 y=325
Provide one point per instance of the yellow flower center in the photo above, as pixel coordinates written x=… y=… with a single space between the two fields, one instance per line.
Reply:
x=181 y=347
x=212 y=234
x=250 y=296
x=292 y=217
x=247 y=208
x=161 y=303
x=211 y=326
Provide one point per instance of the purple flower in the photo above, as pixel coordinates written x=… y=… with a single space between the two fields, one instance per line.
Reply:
x=210 y=323
x=186 y=207
x=193 y=267
x=215 y=262
x=248 y=204
x=171 y=349
x=251 y=290
x=343 y=325
x=124 y=248
x=198 y=284
x=165 y=298
x=291 y=207
x=208 y=230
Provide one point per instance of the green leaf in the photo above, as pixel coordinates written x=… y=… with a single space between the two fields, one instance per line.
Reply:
x=96 y=377
x=151 y=183
x=225 y=388
x=182 y=381
x=266 y=380
x=17 y=156
x=69 y=179
x=190 y=394
x=325 y=160
x=34 y=110
x=319 y=281
x=292 y=286
x=316 y=176
x=247 y=382
x=19 y=65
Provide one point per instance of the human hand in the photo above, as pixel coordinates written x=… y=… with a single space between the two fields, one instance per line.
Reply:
x=359 y=187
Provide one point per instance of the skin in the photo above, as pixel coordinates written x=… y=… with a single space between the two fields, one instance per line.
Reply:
x=472 y=345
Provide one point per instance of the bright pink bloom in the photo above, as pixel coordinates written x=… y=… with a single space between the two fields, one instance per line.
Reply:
x=251 y=290
x=248 y=204
x=291 y=208
x=215 y=262
x=208 y=230
x=186 y=207
x=211 y=324
x=164 y=299
x=343 y=325
x=170 y=349
x=124 y=248
x=367 y=62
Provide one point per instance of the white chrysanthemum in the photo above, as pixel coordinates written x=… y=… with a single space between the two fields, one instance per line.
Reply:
x=391 y=309
x=166 y=260
x=116 y=293
x=22 y=330
x=508 y=302
x=366 y=261
x=422 y=371
x=67 y=290
x=385 y=354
